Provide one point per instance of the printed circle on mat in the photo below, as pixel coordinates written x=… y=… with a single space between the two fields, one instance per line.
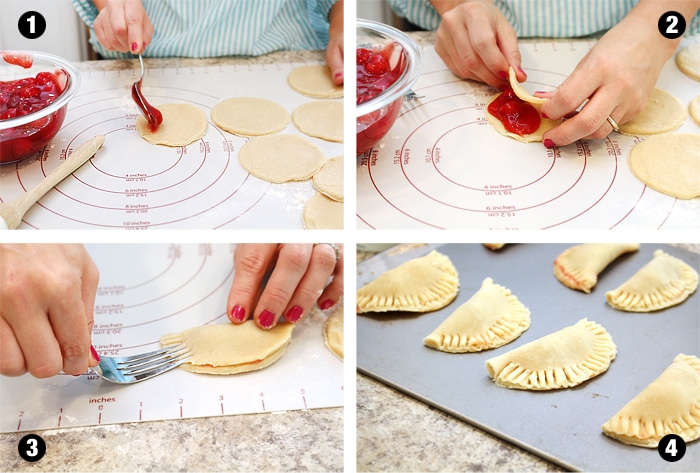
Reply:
x=281 y=158
x=250 y=116
x=182 y=124
x=321 y=119
x=314 y=81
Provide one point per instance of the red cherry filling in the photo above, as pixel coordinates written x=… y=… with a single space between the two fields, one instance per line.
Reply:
x=517 y=116
x=374 y=72
x=24 y=96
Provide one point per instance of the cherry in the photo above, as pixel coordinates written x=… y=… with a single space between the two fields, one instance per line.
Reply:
x=377 y=65
x=363 y=55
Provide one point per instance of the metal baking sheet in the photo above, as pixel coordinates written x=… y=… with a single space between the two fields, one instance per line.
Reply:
x=562 y=426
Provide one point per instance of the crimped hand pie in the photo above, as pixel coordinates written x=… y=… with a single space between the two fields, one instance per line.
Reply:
x=578 y=267
x=561 y=359
x=419 y=285
x=669 y=405
x=491 y=318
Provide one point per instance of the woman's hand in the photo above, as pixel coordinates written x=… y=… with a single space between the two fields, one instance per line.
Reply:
x=298 y=274
x=334 y=48
x=47 y=294
x=123 y=25
x=476 y=41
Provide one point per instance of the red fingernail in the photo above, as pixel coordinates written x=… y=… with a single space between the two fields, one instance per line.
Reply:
x=521 y=70
x=134 y=46
x=238 y=313
x=543 y=114
x=503 y=74
x=94 y=354
x=549 y=143
x=266 y=318
x=294 y=314
x=327 y=304
x=338 y=75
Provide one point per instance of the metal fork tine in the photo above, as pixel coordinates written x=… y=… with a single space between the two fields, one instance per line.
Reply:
x=171 y=354
x=150 y=354
x=156 y=368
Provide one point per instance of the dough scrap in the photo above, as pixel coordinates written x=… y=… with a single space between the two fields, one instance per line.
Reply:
x=314 y=81
x=320 y=119
x=333 y=332
x=578 y=267
x=561 y=359
x=663 y=282
x=182 y=124
x=230 y=348
x=662 y=113
x=281 y=158
x=322 y=213
x=491 y=318
x=250 y=116
x=419 y=285
x=688 y=61
x=694 y=109
x=668 y=405
x=545 y=123
x=329 y=179
x=668 y=163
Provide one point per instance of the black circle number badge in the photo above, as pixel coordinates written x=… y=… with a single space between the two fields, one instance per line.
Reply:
x=671 y=25
x=31 y=24
x=32 y=448
x=671 y=448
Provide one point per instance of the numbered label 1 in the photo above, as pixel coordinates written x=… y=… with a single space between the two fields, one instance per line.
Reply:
x=671 y=448
x=31 y=24
x=32 y=448
x=671 y=25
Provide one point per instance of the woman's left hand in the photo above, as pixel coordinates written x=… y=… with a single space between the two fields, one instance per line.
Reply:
x=334 y=49
x=298 y=274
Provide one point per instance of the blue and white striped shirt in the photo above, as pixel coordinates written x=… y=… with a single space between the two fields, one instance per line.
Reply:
x=541 y=18
x=214 y=28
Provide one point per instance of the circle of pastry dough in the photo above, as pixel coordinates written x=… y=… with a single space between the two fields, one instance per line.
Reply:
x=250 y=116
x=322 y=213
x=314 y=81
x=668 y=163
x=694 y=109
x=329 y=179
x=663 y=112
x=321 y=119
x=688 y=61
x=281 y=158
x=182 y=124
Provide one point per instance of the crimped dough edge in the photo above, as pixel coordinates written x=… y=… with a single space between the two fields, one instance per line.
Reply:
x=584 y=279
x=506 y=329
x=670 y=294
x=648 y=432
x=514 y=376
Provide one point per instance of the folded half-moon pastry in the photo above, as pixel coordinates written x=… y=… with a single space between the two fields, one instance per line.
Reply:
x=578 y=267
x=230 y=348
x=333 y=332
x=669 y=405
x=559 y=360
x=491 y=318
x=419 y=285
x=663 y=282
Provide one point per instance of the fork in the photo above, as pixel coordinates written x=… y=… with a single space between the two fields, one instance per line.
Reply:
x=132 y=369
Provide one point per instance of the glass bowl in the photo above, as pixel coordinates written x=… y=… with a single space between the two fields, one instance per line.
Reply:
x=377 y=115
x=23 y=136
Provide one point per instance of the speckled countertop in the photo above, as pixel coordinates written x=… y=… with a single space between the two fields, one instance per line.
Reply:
x=310 y=440
x=398 y=433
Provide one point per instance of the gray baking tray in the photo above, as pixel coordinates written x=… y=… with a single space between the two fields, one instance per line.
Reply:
x=563 y=426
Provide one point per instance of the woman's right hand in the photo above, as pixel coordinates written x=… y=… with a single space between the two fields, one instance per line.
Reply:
x=123 y=25
x=476 y=41
x=47 y=296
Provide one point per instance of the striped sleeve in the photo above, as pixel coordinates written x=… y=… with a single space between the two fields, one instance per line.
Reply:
x=419 y=12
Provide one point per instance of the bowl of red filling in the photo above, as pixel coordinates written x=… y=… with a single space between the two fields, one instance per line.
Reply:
x=35 y=89
x=388 y=64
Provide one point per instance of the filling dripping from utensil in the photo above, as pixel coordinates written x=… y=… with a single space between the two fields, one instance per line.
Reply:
x=152 y=114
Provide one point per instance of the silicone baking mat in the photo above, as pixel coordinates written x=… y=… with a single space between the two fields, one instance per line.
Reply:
x=443 y=166
x=562 y=426
x=149 y=290
x=131 y=184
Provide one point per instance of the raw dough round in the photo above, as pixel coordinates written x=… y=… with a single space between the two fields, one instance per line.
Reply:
x=281 y=158
x=250 y=116
x=182 y=124
x=333 y=332
x=694 y=109
x=669 y=163
x=321 y=119
x=329 y=180
x=322 y=213
x=663 y=112
x=314 y=81
x=688 y=61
